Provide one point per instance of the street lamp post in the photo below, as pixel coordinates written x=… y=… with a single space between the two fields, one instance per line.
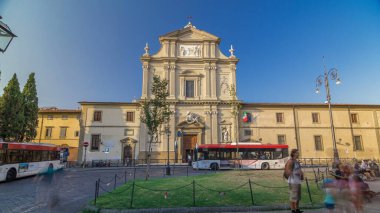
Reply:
x=167 y=131
x=333 y=74
x=6 y=36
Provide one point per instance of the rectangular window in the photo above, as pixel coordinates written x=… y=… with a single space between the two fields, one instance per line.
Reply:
x=354 y=118
x=62 y=132
x=358 y=145
x=280 y=117
x=247 y=132
x=315 y=117
x=95 y=142
x=48 y=132
x=76 y=133
x=98 y=116
x=50 y=117
x=281 y=139
x=128 y=132
x=318 y=142
x=189 y=87
x=65 y=117
x=130 y=117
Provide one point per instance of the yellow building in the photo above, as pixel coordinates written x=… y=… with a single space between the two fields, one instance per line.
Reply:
x=202 y=97
x=59 y=127
x=307 y=127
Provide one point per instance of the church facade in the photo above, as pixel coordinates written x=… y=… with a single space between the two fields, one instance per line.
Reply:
x=202 y=96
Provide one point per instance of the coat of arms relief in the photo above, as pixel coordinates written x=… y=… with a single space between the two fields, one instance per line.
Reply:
x=190 y=50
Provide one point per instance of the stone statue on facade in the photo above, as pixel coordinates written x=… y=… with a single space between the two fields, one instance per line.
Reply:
x=225 y=134
x=191 y=118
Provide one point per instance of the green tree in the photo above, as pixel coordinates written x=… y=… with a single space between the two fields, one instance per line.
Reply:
x=12 y=111
x=30 y=109
x=155 y=112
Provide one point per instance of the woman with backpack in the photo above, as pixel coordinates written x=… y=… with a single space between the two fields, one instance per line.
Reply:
x=294 y=175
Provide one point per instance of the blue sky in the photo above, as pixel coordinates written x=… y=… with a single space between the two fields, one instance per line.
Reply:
x=84 y=50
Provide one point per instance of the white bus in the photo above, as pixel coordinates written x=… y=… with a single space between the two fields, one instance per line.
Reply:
x=24 y=159
x=250 y=156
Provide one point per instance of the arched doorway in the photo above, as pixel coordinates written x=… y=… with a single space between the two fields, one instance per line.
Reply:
x=127 y=160
x=128 y=151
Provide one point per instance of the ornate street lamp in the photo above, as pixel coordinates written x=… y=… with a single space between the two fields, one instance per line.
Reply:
x=167 y=132
x=333 y=74
x=6 y=36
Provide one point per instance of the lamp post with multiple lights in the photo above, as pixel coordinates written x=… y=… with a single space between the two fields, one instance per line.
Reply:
x=167 y=132
x=333 y=75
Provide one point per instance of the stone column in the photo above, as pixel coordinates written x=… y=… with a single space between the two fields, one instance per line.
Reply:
x=208 y=126
x=145 y=83
x=172 y=49
x=212 y=50
x=233 y=74
x=181 y=87
x=166 y=48
x=206 y=49
x=215 y=127
x=213 y=80
x=172 y=81
x=207 y=80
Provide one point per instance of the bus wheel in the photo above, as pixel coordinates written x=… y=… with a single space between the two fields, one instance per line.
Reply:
x=264 y=166
x=214 y=166
x=11 y=175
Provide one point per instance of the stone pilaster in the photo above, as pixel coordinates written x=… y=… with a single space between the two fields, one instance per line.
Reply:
x=145 y=83
x=172 y=80
x=208 y=127
x=213 y=80
x=207 y=81
x=214 y=121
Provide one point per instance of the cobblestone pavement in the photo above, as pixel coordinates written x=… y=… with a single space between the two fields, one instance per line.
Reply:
x=68 y=190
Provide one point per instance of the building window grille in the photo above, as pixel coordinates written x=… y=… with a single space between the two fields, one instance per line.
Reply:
x=358 y=145
x=281 y=139
x=130 y=116
x=50 y=117
x=354 y=118
x=189 y=87
x=95 y=142
x=98 y=116
x=280 y=117
x=48 y=132
x=318 y=143
x=65 y=117
x=62 y=133
x=315 y=117
x=247 y=132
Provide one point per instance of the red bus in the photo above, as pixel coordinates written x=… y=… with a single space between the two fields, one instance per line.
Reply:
x=244 y=155
x=24 y=159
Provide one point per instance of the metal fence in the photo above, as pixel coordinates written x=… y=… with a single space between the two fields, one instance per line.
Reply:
x=195 y=193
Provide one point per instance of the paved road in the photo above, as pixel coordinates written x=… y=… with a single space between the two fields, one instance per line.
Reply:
x=68 y=190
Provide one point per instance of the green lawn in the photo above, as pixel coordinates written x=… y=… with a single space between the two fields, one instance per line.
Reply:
x=229 y=188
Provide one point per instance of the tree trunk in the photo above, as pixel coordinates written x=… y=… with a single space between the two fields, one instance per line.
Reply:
x=149 y=157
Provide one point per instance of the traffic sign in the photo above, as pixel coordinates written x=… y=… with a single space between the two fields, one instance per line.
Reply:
x=85 y=144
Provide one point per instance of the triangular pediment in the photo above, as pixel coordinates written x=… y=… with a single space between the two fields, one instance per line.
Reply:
x=128 y=140
x=190 y=33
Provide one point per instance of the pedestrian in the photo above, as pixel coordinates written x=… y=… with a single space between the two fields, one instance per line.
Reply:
x=295 y=176
x=329 y=187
